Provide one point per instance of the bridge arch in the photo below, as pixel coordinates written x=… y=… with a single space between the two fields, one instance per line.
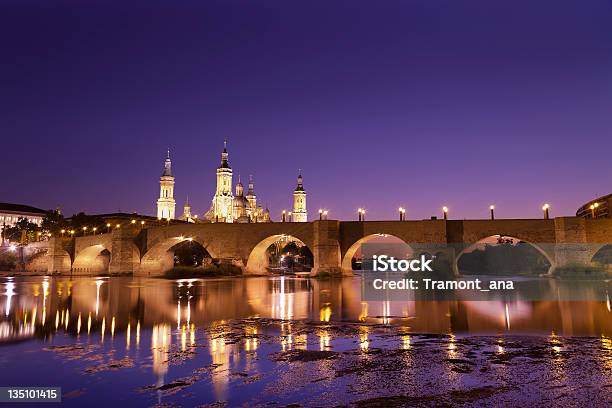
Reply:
x=547 y=251
x=91 y=260
x=603 y=256
x=160 y=256
x=347 y=258
x=258 y=260
x=38 y=261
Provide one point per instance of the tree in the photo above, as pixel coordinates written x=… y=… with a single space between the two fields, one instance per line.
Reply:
x=53 y=222
x=23 y=231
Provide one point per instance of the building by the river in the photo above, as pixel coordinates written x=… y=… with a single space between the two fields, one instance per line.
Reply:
x=11 y=213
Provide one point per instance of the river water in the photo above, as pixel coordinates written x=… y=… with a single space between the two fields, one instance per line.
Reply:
x=281 y=340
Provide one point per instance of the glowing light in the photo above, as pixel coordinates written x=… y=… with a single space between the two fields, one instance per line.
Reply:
x=545 y=207
x=10 y=286
x=406 y=342
x=445 y=209
x=12 y=247
x=113 y=327
x=507 y=318
x=127 y=337
x=138 y=333
x=133 y=221
x=324 y=340
x=99 y=283
x=491 y=207
x=118 y=226
x=452 y=347
x=89 y=323
x=103 y=327
x=364 y=342
x=325 y=313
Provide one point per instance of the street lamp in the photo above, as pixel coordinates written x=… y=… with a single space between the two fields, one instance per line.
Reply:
x=84 y=230
x=284 y=216
x=593 y=207
x=133 y=221
x=62 y=232
x=118 y=226
x=320 y=214
x=289 y=214
x=492 y=209
x=445 y=212
x=71 y=233
x=142 y=223
x=546 y=208
x=402 y=213
x=94 y=230
x=325 y=214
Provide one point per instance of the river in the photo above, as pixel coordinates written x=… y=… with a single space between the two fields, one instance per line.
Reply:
x=283 y=340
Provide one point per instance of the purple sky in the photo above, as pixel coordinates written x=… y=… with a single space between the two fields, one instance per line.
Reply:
x=413 y=103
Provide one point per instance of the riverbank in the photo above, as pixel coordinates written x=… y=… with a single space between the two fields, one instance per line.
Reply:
x=311 y=363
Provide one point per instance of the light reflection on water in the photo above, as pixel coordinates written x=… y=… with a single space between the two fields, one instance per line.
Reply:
x=121 y=316
x=116 y=304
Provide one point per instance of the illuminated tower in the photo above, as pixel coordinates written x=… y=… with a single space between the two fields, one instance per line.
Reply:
x=251 y=193
x=187 y=212
x=165 y=202
x=299 y=203
x=223 y=201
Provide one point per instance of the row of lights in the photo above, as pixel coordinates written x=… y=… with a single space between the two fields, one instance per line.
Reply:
x=402 y=212
x=95 y=229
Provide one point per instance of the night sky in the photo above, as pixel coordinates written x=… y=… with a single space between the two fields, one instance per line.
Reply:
x=381 y=104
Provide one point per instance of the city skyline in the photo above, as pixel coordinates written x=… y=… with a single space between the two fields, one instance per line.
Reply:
x=395 y=106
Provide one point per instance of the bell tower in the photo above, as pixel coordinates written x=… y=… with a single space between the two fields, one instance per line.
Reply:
x=300 y=214
x=223 y=201
x=165 y=203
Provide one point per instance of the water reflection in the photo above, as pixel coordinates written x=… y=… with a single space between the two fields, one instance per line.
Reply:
x=113 y=304
x=185 y=316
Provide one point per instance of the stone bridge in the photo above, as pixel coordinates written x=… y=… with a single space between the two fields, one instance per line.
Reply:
x=150 y=251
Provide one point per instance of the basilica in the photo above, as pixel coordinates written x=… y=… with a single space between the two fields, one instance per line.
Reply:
x=226 y=205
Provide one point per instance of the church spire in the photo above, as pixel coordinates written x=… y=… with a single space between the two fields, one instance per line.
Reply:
x=300 y=182
x=167 y=166
x=251 y=190
x=224 y=157
x=239 y=187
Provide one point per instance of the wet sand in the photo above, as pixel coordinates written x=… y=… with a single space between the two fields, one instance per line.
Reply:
x=282 y=363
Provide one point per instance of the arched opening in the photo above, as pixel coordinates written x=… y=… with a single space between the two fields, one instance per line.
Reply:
x=37 y=262
x=190 y=253
x=355 y=259
x=92 y=260
x=283 y=254
x=603 y=256
x=501 y=255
